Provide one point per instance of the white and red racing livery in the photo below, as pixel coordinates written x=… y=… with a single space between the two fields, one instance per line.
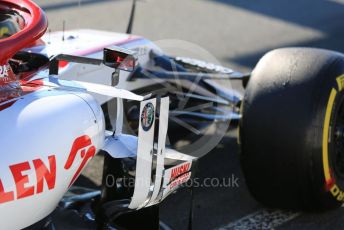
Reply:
x=35 y=174
x=48 y=133
x=52 y=126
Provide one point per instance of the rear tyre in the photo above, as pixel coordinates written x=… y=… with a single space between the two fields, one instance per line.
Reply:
x=292 y=129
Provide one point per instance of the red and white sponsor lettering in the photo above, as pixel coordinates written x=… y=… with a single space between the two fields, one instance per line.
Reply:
x=180 y=180
x=176 y=176
x=44 y=174
x=177 y=171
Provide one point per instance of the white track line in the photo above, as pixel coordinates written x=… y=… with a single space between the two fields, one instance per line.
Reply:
x=263 y=219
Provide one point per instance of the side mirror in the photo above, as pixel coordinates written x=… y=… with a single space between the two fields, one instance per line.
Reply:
x=117 y=58
x=120 y=58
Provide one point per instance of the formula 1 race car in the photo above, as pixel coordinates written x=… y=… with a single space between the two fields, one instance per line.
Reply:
x=66 y=96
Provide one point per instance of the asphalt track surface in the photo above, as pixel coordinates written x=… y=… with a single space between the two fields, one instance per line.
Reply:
x=237 y=33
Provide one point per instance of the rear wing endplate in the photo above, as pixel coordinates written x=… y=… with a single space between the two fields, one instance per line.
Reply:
x=155 y=180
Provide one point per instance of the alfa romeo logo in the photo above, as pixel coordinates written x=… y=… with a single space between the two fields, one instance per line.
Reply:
x=147 y=116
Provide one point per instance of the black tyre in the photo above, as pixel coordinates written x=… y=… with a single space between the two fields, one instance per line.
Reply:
x=292 y=129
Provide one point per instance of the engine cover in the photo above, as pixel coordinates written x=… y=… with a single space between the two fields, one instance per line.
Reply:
x=47 y=138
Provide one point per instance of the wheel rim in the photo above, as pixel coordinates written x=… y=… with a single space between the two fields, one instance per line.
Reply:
x=338 y=137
